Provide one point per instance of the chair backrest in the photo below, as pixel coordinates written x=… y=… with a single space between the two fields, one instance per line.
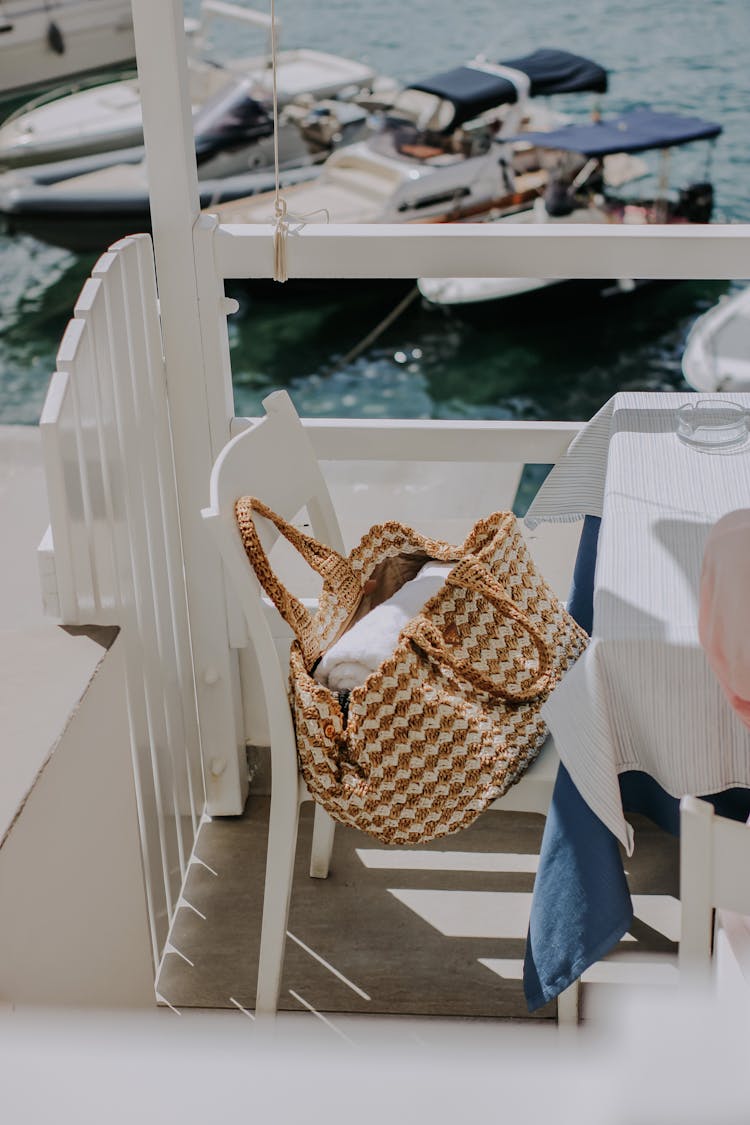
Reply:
x=714 y=867
x=274 y=461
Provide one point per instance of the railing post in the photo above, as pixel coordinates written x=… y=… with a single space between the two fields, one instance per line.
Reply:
x=198 y=429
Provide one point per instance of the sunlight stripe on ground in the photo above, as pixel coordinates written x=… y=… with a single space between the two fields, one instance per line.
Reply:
x=479 y=914
x=660 y=912
x=636 y=968
x=505 y=914
x=319 y=1015
x=327 y=965
x=412 y=860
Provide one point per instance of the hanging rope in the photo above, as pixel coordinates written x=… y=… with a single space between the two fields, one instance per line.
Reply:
x=281 y=225
x=284 y=221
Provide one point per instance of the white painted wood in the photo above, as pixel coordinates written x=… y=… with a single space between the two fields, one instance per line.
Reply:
x=104 y=383
x=192 y=387
x=322 y=844
x=72 y=437
x=118 y=552
x=274 y=459
x=45 y=558
x=568 y=1006
x=54 y=427
x=219 y=8
x=732 y=955
x=490 y=250
x=714 y=865
x=147 y=586
x=533 y=792
x=170 y=606
x=406 y=439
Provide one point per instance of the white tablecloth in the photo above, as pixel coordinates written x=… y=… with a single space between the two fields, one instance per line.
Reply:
x=643 y=696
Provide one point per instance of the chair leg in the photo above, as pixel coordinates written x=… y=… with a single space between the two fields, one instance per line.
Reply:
x=568 y=1003
x=282 y=842
x=322 y=843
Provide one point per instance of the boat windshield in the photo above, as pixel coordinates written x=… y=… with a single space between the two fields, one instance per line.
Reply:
x=233 y=116
x=426 y=111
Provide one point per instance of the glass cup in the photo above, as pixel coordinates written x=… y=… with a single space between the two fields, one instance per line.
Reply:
x=712 y=425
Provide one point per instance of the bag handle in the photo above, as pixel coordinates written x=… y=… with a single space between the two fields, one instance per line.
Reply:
x=472 y=574
x=333 y=568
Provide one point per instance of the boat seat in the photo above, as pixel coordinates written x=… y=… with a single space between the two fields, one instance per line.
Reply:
x=421 y=152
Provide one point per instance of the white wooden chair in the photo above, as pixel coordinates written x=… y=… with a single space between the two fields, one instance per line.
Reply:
x=275 y=461
x=714 y=875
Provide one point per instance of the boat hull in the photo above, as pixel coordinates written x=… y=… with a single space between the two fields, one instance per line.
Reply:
x=717 y=350
x=545 y=299
x=87 y=223
x=92 y=37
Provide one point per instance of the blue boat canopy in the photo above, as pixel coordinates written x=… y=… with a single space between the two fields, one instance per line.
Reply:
x=559 y=72
x=472 y=90
x=638 y=131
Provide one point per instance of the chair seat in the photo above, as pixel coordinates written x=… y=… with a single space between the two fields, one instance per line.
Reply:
x=533 y=792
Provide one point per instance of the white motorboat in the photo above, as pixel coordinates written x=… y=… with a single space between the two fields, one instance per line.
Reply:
x=46 y=42
x=435 y=158
x=87 y=211
x=107 y=118
x=587 y=164
x=717 y=351
x=432 y=158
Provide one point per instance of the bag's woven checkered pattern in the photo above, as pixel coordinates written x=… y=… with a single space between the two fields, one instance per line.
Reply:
x=452 y=719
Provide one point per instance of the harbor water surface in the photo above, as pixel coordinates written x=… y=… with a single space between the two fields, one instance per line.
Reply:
x=552 y=358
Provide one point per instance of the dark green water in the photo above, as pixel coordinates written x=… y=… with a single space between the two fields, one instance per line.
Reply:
x=542 y=361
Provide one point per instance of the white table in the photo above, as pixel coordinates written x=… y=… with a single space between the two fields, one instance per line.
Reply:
x=643 y=696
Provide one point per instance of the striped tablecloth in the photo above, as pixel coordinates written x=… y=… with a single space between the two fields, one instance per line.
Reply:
x=643 y=696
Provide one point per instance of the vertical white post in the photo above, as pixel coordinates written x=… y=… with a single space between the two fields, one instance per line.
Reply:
x=197 y=435
x=696 y=886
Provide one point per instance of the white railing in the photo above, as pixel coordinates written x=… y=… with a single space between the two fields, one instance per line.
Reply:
x=577 y=250
x=114 y=554
x=130 y=435
x=116 y=542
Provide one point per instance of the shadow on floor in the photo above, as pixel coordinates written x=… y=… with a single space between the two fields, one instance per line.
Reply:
x=390 y=931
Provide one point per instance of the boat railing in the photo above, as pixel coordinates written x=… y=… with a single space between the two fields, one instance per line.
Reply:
x=75 y=86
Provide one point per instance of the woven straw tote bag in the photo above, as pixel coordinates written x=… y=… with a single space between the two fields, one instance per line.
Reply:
x=452 y=719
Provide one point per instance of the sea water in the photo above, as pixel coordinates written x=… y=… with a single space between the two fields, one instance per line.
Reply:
x=544 y=358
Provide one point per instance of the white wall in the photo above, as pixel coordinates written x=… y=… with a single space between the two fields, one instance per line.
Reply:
x=73 y=921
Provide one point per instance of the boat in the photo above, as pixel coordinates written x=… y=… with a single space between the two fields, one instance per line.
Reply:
x=429 y=156
x=439 y=155
x=46 y=42
x=717 y=350
x=587 y=163
x=81 y=206
x=68 y=124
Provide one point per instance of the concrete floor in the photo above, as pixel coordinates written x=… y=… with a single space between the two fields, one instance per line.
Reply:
x=434 y=932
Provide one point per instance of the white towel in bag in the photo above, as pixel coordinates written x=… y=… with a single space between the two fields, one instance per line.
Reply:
x=366 y=645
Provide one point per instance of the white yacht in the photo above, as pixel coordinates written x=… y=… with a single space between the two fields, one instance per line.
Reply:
x=41 y=43
x=590 y=169
x=439 y=155
x=105 y=119
x=429 y=156
x=717 y=350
